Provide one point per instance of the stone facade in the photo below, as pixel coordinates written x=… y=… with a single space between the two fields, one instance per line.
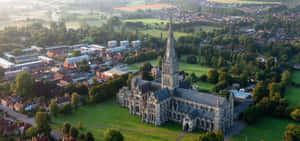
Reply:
x=162 y=100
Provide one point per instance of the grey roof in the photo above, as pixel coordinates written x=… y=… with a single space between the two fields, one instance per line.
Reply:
x=162 y=94
x=197 y=96
x=193 y=114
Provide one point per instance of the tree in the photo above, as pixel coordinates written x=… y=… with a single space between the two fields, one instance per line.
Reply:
x=73 y=132
x=147 y=76
x=211 y=136
x=24 y=84
x=146 y=67
x=113 y=135
x=296 y=115
x=31 y=132
x=159 y=61
x=191 y=59
x=274 y=88
x=286 y=77
x=259 y=91
x=292 y=133
x=82 y=89
x=75 y=100
x=252 y=113
x=53 y=107
x=66 y=108
x=298 y=58
x=84 y=66
x=81 y=137
x=42 y=122
x=212 y=76
x=66 y=128
x=76 y=53
x=89 y=137
x=80 y=126
x=221 y=61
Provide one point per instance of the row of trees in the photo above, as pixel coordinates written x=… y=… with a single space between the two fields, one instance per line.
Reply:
x=107 y=90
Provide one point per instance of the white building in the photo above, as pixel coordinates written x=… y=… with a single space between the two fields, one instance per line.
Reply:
x=75 y=60
x=124 y=43
x=117 y=49
x=5 y=64
x=112 y=43
x=136 y=44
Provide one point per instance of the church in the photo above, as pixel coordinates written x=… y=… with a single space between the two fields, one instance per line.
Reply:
x=165 y=99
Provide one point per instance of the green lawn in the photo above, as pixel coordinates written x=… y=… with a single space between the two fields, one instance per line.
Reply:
x=157 y=33
x=189 y=68
x=296 y=77
x=267 y=129
x=109 y=114
x=292 y=95
x=204 y=86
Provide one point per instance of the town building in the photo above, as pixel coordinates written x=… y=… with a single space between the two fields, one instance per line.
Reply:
x=162 y=100
x=112 y=43
x=74 y=61
x=136 y=44
x=124 y=43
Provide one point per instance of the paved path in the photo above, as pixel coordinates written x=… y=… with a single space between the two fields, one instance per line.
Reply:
x=24 y=118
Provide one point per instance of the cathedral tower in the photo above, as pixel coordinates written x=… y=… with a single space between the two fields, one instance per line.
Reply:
x=170 y=63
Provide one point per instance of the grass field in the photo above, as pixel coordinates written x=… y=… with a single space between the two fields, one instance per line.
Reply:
x=296 y=77
x=109 y=114
x=189 y=68
x=148 y=21
x=292 y=95
x=267 y=129
x=245 y=1
x=204 y=85
x=157 y=33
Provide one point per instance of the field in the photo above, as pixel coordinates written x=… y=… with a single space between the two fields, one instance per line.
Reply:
x=157 y=33
x=204 y=86
x=108 y=114
x=267 y=129
x=148 y=21
x=296 y=77
x=189 y=68
x=143 y=7
x=292 y=95
x=245 y=1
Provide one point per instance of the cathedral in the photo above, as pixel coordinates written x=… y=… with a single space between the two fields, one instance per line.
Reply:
x=166 y=99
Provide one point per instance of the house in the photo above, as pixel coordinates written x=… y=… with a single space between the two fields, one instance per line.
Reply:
x=111 y=73
x=5 y=64
x=68 y=138
x=73 y=61
x=58 y=52
x=46 y=60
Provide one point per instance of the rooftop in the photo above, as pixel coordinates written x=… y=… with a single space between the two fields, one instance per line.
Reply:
x=197 y=96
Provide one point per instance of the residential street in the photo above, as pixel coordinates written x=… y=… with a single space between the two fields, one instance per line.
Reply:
x=28 y=120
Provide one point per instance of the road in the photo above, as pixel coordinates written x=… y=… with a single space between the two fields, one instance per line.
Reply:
x=24 y=118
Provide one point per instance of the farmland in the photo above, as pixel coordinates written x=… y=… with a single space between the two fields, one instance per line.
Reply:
x=143 y=7
x=244 y=2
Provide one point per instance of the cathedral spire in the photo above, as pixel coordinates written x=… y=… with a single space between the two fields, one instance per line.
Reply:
x=170 y=64
x=170 y=51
